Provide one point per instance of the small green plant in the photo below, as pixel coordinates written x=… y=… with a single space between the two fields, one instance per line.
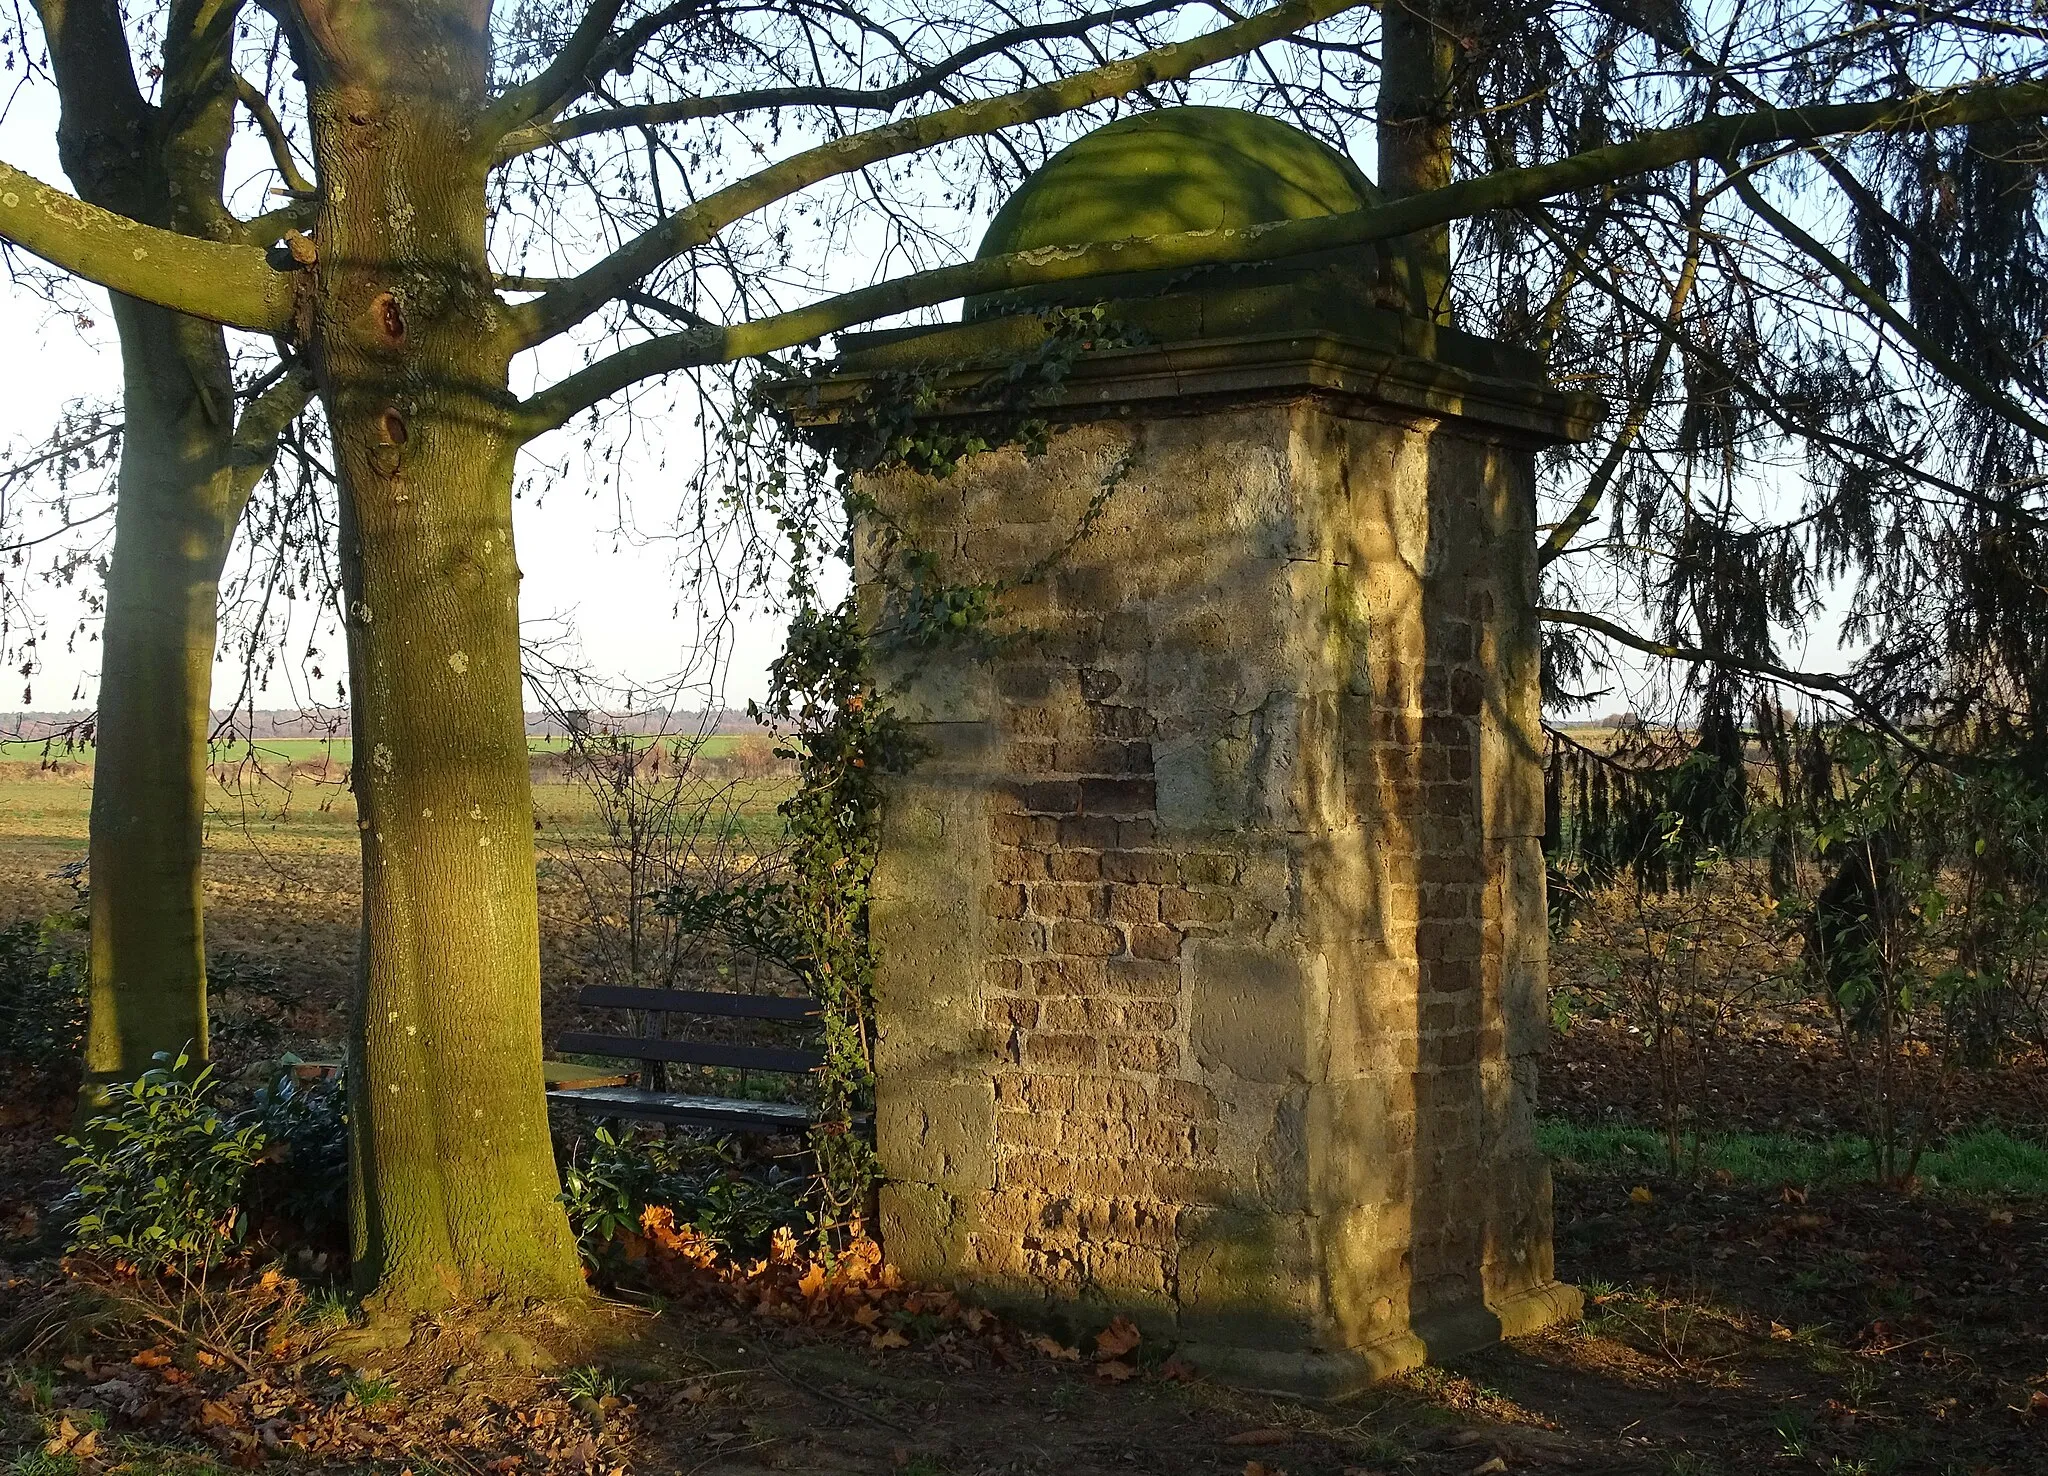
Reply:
x=33 y=1385
x=42 y=993
x=706 y=1184
x=1862 y=1382
x=326 y=1306
x=367 y=1389
x=592 y=1382
x=157 y=1178
x=304 y=1172
x=1792 y=1427
x=39 y=1462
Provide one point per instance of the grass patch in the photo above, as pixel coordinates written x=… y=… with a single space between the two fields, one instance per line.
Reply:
x=1986 y=1161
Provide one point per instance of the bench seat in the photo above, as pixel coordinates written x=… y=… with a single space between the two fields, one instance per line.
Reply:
x=736 y=1114
x=612 y=1096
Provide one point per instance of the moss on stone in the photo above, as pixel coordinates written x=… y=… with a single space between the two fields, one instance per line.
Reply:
x=1174 y=170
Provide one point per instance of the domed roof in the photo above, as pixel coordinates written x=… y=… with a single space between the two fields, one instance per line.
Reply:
x=1177 y=169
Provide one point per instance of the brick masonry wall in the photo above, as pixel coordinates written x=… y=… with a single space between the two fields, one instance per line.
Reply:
x=1211 y=929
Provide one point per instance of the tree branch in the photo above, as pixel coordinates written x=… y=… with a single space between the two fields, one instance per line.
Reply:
x=1825 y=683
x=1964 y=378
x=262 y=422
x=714 y=344
x=252 y=98
x=583 y=295
x=265 y=229
x=866 y=99
x=560 y=79
x=1560 y=537
x=233 y=285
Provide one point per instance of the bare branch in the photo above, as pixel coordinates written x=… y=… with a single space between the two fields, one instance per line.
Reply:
x=1595 y=492
x=1822 y=682
x=234 y=285
x=252 y=98
x=713 y=344
x=866 y=99
x=561 y=79
x=583 y=295
x=1963 y=377
x=267 y=228
x=262 y=422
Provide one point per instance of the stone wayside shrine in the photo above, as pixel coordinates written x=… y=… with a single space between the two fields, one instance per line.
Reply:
x=1211 y=927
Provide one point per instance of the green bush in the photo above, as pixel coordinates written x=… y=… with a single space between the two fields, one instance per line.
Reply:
x=42 y=994
x=157 y=1177
x=705 y=1183
x=304 y=1172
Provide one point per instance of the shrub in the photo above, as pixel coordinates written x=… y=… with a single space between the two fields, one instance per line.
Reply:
x=737 y=1205
x=157 y=1177
x=304 y=1172
x=42 y=994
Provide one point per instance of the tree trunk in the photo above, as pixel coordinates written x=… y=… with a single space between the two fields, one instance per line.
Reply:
x=455 y=1190
x=180 y=494
x=178 y=505
x=1417 y=49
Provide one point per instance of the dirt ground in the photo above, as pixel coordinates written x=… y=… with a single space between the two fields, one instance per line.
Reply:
x=1729 y=1332
x=1730 y=1329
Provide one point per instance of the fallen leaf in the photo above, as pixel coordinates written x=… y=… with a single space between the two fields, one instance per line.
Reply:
x=867 y=1314
x=1116 y=1371
x=813 y=1282
x=1790 y=1195
x=889 y=1337
x=1640 y=1194
x=1052 y=1348
x=1490 y=1468
x=1178 y=1370
x=1117 y=1339
x=1780 y=1333
x=71 y=1441
x=1266 y=1435
x=213 y=1412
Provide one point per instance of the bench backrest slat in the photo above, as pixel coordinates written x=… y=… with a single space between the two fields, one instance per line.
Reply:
x=693 y=1052
x=699 y=1002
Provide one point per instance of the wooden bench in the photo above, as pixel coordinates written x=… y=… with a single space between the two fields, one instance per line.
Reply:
x=653 y=1047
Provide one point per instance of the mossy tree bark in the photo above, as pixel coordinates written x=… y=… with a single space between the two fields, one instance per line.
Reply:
x=186 y=472
x=454 y=1195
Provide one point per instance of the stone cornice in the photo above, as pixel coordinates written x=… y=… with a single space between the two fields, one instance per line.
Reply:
x=1362 y=375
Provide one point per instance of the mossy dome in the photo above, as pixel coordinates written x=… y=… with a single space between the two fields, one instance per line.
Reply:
x=1173 y=170
x=1165 y=172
